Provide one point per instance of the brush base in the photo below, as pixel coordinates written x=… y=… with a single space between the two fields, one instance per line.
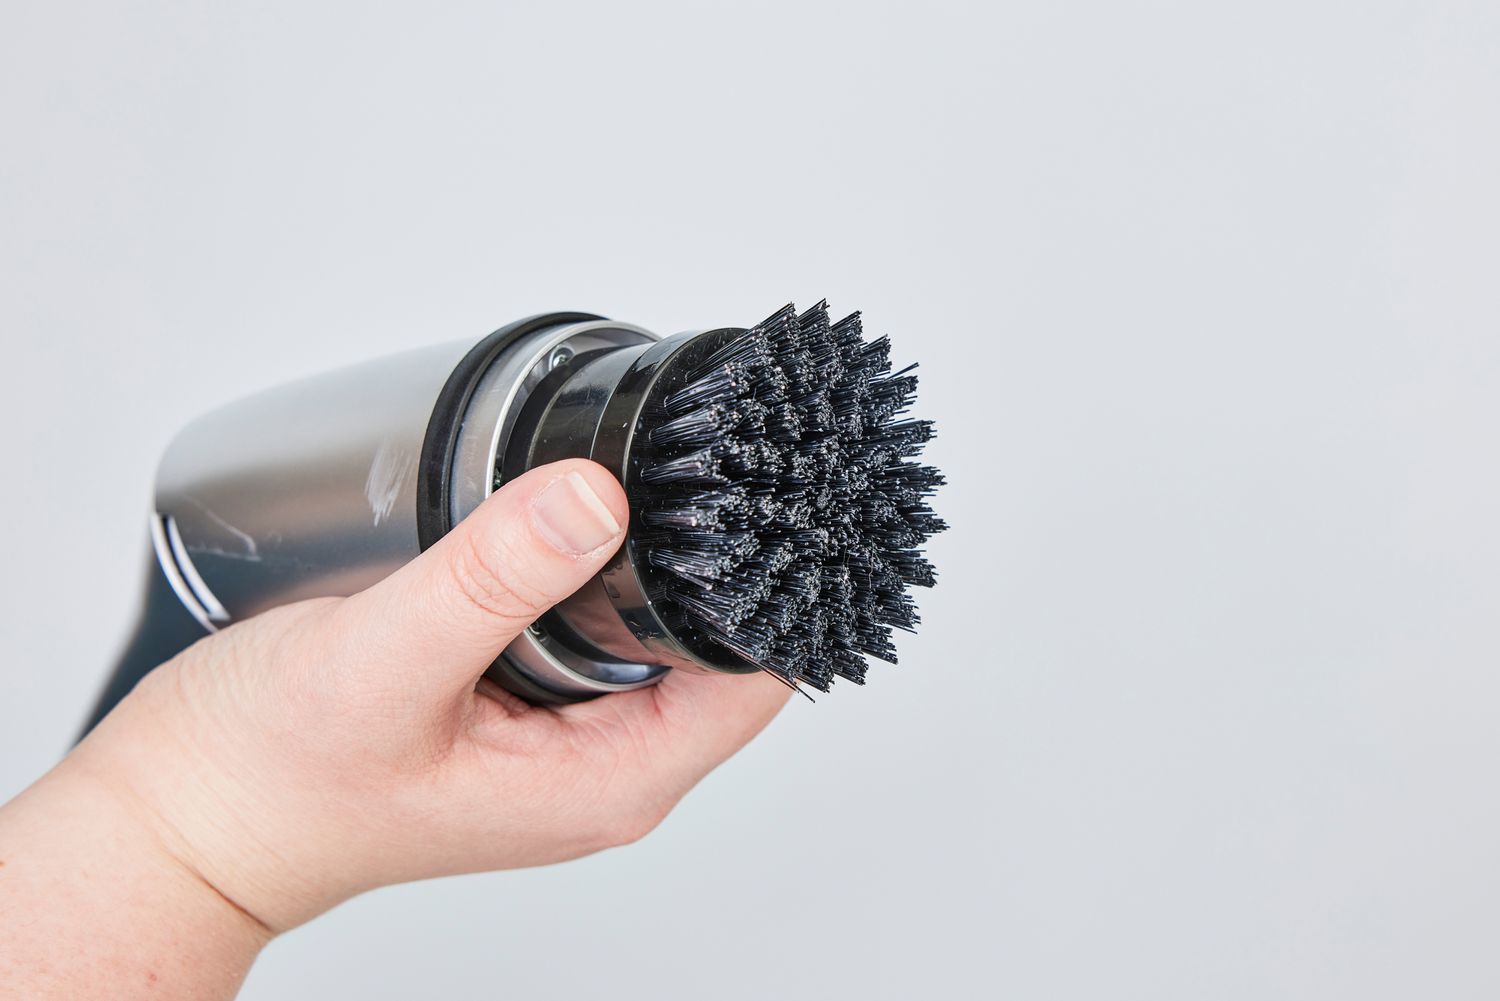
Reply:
x=594 y=409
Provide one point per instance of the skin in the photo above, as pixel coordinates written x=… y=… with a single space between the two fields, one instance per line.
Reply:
x=326 y=748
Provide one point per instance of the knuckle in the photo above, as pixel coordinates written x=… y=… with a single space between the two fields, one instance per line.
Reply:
x=491 y=578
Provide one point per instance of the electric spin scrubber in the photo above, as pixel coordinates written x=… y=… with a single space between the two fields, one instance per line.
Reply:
x=776 y=519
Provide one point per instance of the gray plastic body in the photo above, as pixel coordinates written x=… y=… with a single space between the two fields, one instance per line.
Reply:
x=305 y=490
x=315 y=488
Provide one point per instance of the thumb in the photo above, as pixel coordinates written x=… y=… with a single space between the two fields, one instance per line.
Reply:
x=435 y=625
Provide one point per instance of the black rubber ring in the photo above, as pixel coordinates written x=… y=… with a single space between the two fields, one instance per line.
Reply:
x=435 y=468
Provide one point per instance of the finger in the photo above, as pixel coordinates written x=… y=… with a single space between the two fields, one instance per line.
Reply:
x=714 y=715
x=436 y=624
x=696 y=720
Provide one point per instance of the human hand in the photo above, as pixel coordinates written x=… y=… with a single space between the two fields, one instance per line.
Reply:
x=336 y=745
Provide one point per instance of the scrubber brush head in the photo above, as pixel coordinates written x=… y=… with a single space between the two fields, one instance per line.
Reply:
x=777 y=515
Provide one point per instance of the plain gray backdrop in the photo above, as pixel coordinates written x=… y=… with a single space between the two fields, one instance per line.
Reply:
x=1205 y=298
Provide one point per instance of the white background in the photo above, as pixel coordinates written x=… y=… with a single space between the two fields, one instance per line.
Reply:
x=1205 y=298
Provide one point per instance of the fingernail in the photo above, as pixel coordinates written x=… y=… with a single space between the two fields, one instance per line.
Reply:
x=572 y=517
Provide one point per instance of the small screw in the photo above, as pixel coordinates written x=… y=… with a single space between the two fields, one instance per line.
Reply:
x=560 y=357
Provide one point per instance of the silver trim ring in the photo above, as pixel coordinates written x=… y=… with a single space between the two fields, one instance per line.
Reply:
x=484 y=435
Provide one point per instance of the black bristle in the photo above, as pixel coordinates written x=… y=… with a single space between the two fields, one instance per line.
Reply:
x=778 y=496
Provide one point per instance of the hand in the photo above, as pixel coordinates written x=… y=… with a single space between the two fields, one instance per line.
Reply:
x=336 y=745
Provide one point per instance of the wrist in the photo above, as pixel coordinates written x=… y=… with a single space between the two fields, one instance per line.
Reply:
x=212 y=792
x=95 y=904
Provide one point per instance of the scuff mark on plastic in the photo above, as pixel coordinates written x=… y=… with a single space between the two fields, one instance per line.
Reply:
x=252 y=551
x=389 y=470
